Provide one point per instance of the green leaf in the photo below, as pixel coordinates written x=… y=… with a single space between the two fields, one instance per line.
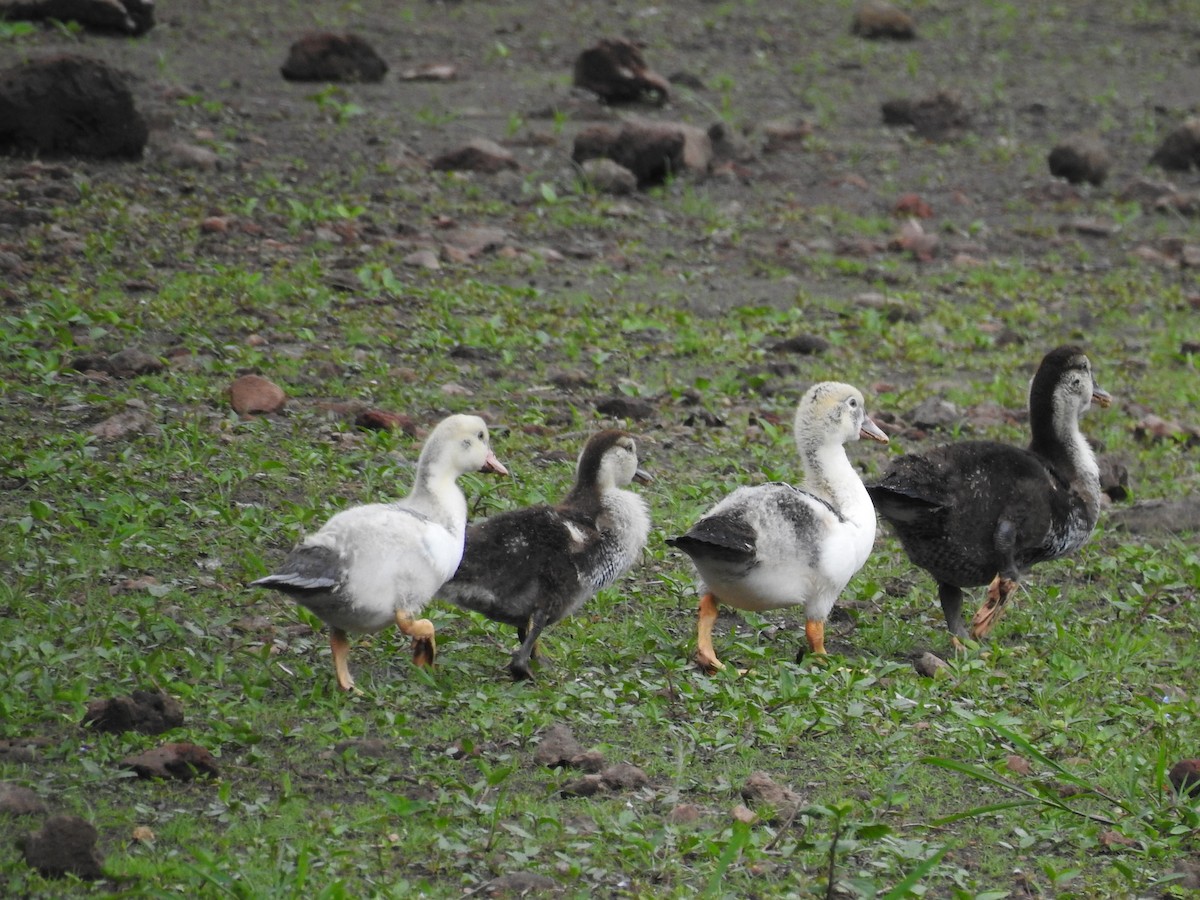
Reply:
x=905 y=886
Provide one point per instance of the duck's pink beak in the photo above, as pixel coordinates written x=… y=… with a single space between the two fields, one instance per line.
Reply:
x=874 y=432
x=491 y=464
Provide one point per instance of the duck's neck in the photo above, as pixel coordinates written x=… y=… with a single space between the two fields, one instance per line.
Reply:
x=1060 y=442
x=829 y=474
x=437 y=495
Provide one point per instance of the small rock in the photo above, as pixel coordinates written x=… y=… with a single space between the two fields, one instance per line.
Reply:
x=934 y=412
x=652 y=151
x=22 y=750
x=743 y=814
x=18 y=800
x=179 y=761
x=146 y=712
x=928 y=665
x=761 y=790
x=625 y=408
x=1145 y=191
x=124 y=424
x=189 y=156
x=780 y=134
x=477 y=155
x=254 y=394
x=143 y=835
x=916 y=240
x=472 y=242
x=685 y=814
x=587 y=786
x=879 y=19
x=624 y=776
x=589 y=761
x=1018 y=765
x=431 y=72
x=369 y=748
x=1110 y=840
x=519 y=884
x=608 y=177
x=324 y=56
x=423 y=259
x=557 y=747
x=134 y=361
x=615 y=71
x=1080 y=158
x=1180 y=150
x=131 y=17
x=911 y=205
x=64 y=845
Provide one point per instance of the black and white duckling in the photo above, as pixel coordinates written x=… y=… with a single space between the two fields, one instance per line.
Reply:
x=380 y=563
x=983 y=512
x=774 y=545
x=532 y=567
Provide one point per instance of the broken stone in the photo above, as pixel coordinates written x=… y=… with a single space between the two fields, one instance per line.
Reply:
x=879 y=19
x=519 y=884
x=423 y=259
x=652 y=151
x=324 y=56
x=1180 y=150
x=132 y=17
x=940 y=116
x=761 y=790
x=18 y=800
x=685 y=814
x=178 y=761
x=64 y=845
x=123 y=424
x=934 y=412
x=146 y=712
x=624 y=776
x=134 y=361
x=780 y=134
x=616 y=71
x=477 y=155
x=557 y=747
x=587 y=786
x=254 y=394
x=381 y=420
x=743 y=814
x=929 y=664
x=190 y=156
x=1018 y=765
x=69 y=106
x=608 y=177
x=1080 y=158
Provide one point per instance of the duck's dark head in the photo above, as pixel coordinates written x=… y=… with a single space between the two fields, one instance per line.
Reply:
x=609 y=459
x=1061 y=391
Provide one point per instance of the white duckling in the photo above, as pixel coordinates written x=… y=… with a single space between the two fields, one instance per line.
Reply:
x=774 y=545
x=533 y=567
x=380 y=563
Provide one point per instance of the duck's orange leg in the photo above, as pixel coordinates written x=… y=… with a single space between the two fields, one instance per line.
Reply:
x=814 y=631
x=339 y=646
x=706 y=657
x=424 y=647
x=989 y=614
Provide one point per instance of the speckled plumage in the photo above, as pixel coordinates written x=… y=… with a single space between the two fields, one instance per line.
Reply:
x=379 y=563
x=774 y=545
x=532 y=567
x=983 y=512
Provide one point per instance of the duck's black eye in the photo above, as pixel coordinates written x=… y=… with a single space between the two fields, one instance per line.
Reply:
x=853 y=403
x=480 y=435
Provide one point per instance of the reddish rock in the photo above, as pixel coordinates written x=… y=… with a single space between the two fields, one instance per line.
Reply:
x=69 y=106
x=477 y=155
x=324 y=56
x=761 y=790
x=616 y=71
x=911 y=205
x=381 y=420
x=146 y=712
x=251 y=394
x=557 y=747
x=124 y=424
x=1018 y=765
x=624 y=776
x=178 y=761
x=685 y=814
x=916 y=240
x=132 y=17
x=1180 y=150
x=1185 y=777
x=878 y=19
x=1079 y=159
x=652 y=151
x=928 y=665
x=64 y=845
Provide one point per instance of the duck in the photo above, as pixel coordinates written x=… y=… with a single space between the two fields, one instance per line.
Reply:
x=379 y=563
x=774 y=545
x=532 y=567
x=983 y=512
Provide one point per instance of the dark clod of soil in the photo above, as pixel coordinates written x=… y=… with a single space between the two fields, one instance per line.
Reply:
x=1180 y=150
x=938 y=117
x=624 y=777
x=22 y=750
x=147 y=712
x=64 y=845
x=929 y=664
x=761 y=790
x=520 y=884
x=625 y=408
x=652 y=151
x=615 y=71
x=477 y=155
x=251 y=394
x=1080 y=159
x=69 y=106
x=324 y=56
x=803 y=344
x=558 y=747
x=18 y=800
x=382 y=420
x=181 y=762
x=878 y=19
x=1185 y=777
x=132 y=17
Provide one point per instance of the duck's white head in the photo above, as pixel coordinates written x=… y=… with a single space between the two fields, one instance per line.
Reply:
x=460 y=444
x=609 y=460
x=833 y=413
x=1061 y=391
